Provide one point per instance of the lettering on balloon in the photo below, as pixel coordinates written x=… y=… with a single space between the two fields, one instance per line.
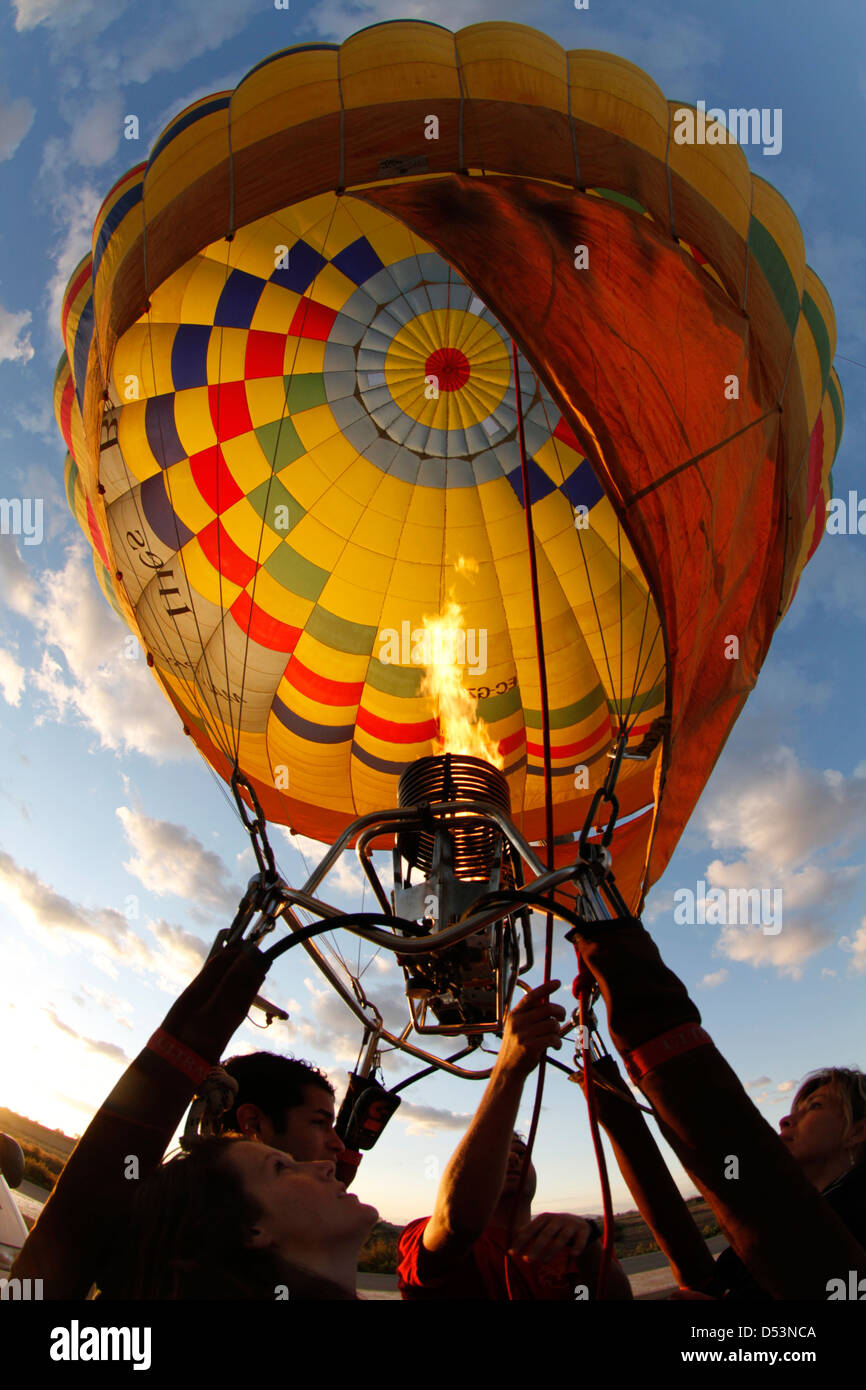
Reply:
x=150 y=560
x=431 y=127
x=732 y=387
x=581 y=257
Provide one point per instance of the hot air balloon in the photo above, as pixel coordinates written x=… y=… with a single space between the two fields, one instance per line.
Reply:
x=430 y=322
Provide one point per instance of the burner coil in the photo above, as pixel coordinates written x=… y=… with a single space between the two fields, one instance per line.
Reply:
x=454 y=777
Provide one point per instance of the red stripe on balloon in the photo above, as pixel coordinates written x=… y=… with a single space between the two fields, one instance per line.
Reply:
x=312 y=320
x=66 y=399
x=214 y=481
x=267 y=631
x=227 y=558
x=568 y=750
x=72 y=293
x=229 y=410
x=390 y=732
x=310 y=683
x=265 y=354
x=820 y=523
x=96 y=534
x=511 y=741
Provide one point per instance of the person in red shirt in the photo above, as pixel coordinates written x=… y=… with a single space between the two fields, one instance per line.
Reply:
x=462 y=1251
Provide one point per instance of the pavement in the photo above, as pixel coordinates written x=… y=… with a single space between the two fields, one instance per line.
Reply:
x=649 y=1276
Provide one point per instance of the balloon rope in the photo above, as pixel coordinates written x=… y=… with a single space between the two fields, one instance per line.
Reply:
x=583 y=974
x=548 y=788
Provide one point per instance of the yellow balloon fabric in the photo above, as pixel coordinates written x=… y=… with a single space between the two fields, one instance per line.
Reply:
x=290 y=398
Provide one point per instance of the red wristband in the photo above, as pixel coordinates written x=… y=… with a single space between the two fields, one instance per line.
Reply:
x=664 y=1048
x=180 y=1057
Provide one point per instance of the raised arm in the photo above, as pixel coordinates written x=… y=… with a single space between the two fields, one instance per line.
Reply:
x=472 y=1183
x=128 y=1135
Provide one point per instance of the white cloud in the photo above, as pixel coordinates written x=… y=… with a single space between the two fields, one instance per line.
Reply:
x=427 y=1119
x=141 y=43
x=345 y=877
x=104 y=1049
x=15 y=345
x=171 y=956
x=65 y=924
x=29 y=13
x=785 y=1086
x=328 y=1028
x=74 y=207
x=11 y=678
x=716 y=977
x=181 y=955
x=96 y=133
x=785 y=829
x=17 y=583
x=659 y=905
x=16 y=118
x=120 y=1009
x=758 y=1084
x=36 y=417
x=94 y=680
x=856 y=946
x=782 y=810
x=168 y=858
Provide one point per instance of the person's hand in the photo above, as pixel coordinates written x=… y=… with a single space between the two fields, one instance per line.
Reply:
x=551 y=1234
x=217 y=1001
x=531 y=1027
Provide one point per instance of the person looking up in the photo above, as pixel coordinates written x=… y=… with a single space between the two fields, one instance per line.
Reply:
x=463 y=1250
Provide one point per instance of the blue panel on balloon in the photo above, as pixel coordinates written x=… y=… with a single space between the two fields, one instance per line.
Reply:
x=189 y=356
x=113 y=220
x=359 y=261
x=238 y=301
x=160 y=515
x=81 y=350
x=539 y=483
x=162 y=435
x=583 y=487
x=304 y=265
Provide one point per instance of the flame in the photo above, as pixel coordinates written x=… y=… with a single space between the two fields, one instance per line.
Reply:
x=460 y=729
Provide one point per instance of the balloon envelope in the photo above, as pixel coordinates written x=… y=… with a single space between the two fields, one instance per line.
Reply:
x=290 y=400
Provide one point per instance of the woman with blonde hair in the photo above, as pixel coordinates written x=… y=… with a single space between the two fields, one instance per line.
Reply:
x=826 y=1133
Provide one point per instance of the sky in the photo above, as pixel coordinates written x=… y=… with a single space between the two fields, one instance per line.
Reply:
x=120 y=857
